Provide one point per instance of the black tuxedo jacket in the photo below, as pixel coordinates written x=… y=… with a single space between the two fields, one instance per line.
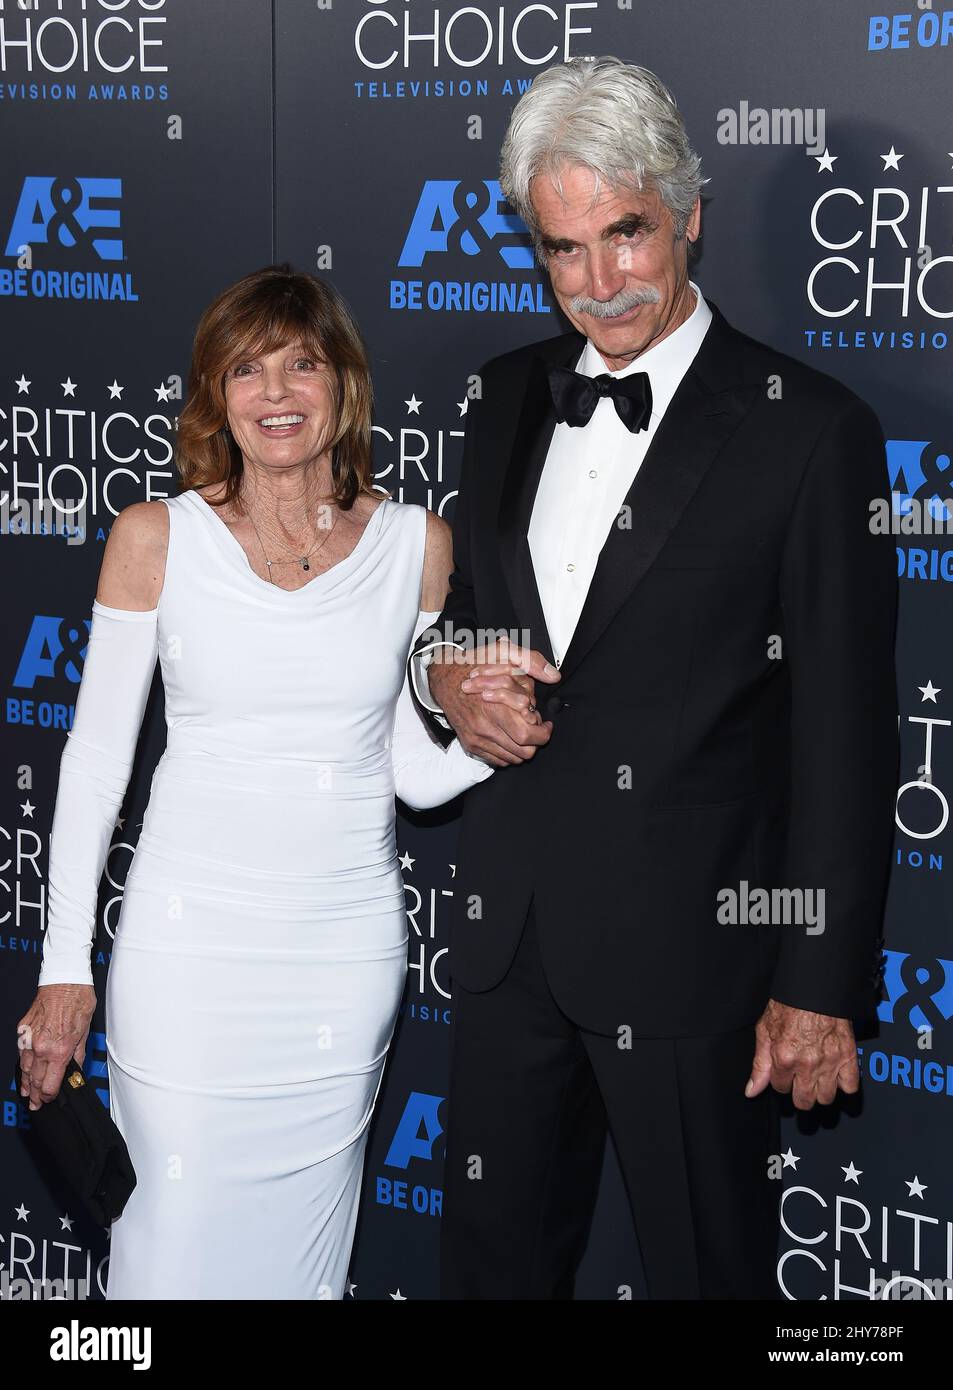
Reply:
x=727 y=715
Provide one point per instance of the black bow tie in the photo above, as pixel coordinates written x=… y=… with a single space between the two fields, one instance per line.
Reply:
x=575 y=396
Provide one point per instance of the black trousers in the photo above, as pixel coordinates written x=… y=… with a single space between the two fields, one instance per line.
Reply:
x=532 y=1098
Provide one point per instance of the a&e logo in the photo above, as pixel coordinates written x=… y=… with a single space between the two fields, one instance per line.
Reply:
x=452 y=216
x=68 y=214
x=418 y=1129
x=474 y=226
x=919 y=990
x=54 y=650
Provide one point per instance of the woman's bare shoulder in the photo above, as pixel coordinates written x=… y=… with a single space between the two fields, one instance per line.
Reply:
x=438 y=564
x=133 y=567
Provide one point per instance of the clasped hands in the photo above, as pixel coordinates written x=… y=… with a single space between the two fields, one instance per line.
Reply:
x=488 y=696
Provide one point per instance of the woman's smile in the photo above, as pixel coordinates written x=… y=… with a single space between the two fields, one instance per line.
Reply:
x=281 y=426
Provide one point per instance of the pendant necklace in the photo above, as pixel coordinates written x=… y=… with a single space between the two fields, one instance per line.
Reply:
x=302 y=560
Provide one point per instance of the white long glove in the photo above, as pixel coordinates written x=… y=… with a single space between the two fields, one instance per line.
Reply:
x=94 y=772
x=425 y=773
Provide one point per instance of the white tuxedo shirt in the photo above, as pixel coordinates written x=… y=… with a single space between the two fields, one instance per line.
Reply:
x=586 y=476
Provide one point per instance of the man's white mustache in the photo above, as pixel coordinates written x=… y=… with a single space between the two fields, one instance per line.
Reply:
x=608 y=308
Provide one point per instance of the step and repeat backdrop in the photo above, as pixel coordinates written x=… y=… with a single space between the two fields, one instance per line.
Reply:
x=157 y=150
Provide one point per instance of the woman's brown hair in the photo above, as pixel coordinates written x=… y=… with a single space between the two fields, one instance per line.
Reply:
x=268 y=310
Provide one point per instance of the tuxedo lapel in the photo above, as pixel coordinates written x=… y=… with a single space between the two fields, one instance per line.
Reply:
x=709 y=404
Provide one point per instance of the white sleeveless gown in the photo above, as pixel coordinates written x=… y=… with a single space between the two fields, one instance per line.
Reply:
x=260 y=954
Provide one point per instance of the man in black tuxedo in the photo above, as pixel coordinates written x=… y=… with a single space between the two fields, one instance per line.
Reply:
x=675 y=519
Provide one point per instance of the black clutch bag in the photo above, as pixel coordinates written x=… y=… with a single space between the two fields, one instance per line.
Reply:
x=85 y=1144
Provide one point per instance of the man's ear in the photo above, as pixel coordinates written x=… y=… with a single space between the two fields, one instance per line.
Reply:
x=693 y=229
x=694 y=224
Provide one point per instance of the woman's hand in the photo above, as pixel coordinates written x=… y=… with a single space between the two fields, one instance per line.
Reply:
x=488 y=698
x=54 y=1029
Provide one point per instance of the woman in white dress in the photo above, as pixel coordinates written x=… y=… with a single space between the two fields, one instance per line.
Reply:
x=260 y=955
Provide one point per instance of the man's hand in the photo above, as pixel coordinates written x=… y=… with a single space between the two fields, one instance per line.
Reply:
x=810 y=1055
x=488 y=697
x=53 y=1030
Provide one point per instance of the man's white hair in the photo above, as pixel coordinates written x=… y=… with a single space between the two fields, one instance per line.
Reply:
x=616 y=119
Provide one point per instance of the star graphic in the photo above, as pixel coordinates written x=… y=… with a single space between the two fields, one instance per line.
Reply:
x=825 y=161
x=22 y=385
x=162 y=391
x=453 y=870
x=69 y=387
x=917 y=1188
x=790 y=1160
x=27 y=808
x=406 y=862
x=892 y=160
x=851 y=1174
x=115 y=391
x=929 y=691
x=350 y=1288
x=413 y=405
x=398 y=1297
x=463 y=405
x=66 y=1223
x=21 y=1212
